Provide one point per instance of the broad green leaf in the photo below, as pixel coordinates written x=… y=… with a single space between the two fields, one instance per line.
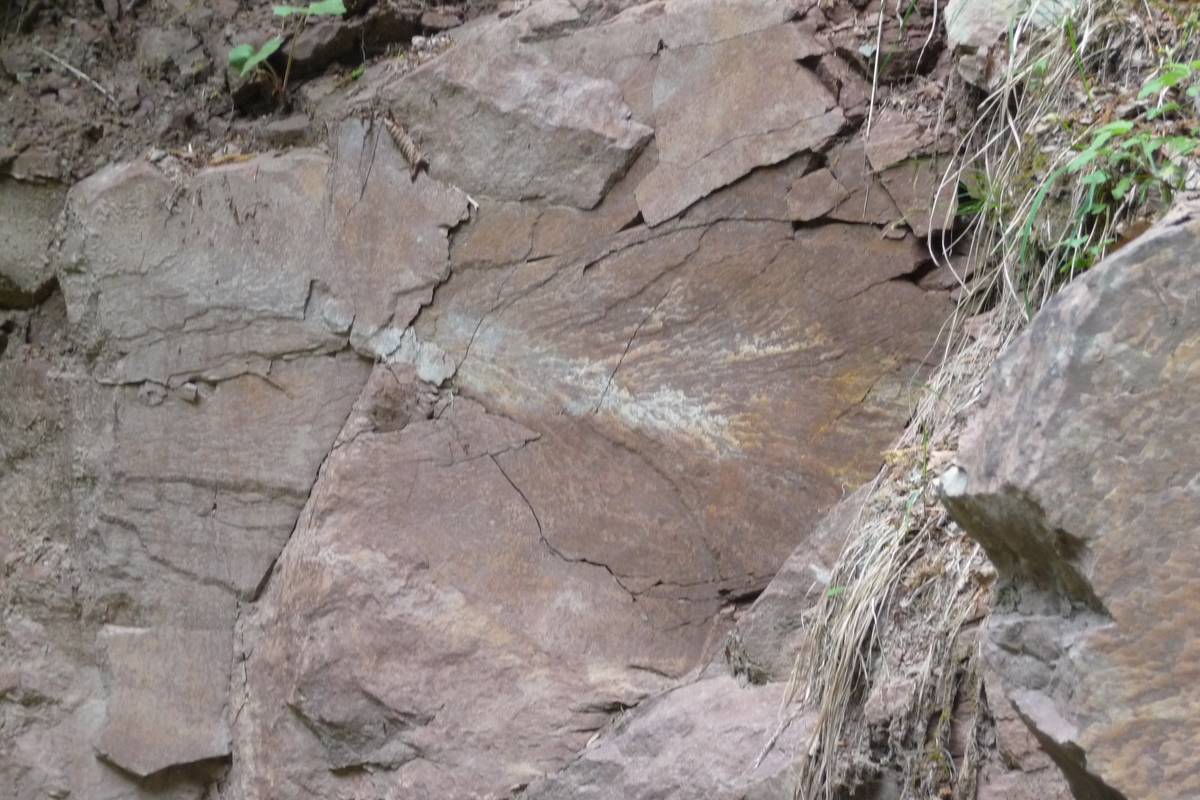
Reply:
x=1194 y=91
x=357 y=72
x=327 y=8
x=262 y=54
x=1117 y=128
x=323 y=8
x=1095 y=178
x=1172 y=75
x=1122 y=188
x=239 y=55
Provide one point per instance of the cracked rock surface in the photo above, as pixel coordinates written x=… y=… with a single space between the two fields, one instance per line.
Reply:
x=336 y=481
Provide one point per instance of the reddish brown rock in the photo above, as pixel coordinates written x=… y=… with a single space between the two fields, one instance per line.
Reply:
x=773 y=109
x=220 y=313
x=503 y=121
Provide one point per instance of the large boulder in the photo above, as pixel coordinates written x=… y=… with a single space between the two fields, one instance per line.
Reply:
x=1079 y=477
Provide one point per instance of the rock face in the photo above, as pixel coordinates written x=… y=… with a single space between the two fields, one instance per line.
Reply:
x=1079 y=477
x=29 y=211
x=404 y=486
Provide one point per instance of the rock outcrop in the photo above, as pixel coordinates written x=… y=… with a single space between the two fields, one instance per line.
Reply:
x=383 y=484
x=1079 y=477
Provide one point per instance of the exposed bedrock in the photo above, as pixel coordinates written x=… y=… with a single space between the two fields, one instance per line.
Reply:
x=1080 y=478
x=406 y=487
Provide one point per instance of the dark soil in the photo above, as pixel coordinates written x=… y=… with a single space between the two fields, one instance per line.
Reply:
x=153 y=74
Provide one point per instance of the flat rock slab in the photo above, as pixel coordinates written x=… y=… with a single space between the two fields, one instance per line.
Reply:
x=771 y=109
x=154 y=691
x=515 y=126
x=734 y=360
x=641 y=427
x=1079 y=478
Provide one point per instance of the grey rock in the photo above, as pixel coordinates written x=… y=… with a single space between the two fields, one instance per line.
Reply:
x=30 y=213
x=439 y=20
x=173 y=53
x=288 y=131
x=814 y=195
x=702 y=741
x=168 y=679
x=502 y=120
x=219 y=314
x=1081 y=486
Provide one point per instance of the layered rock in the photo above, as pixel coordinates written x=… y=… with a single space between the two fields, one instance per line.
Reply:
x=404 y=485
x=1079 y=477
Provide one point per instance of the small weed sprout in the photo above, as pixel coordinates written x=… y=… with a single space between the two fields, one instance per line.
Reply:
x=246 y=59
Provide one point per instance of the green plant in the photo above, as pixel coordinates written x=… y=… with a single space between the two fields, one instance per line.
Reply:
x=246 y=59
x=1127 y=163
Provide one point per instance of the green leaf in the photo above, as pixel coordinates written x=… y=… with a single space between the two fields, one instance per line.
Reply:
x=1165 y=108
x=1035 y=208
x=1122 y=188
x=327 y=8
x=1180 y=146
x=1095 y=178
x=240 y=54
x=357 y=72
x=1194 y=91
x=1172 y=75
x=835 y=591
x=324 y=8
x=249 y=60
x=1119 y=127
x=1082 y=160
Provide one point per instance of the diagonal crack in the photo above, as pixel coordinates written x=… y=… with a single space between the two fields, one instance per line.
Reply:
x=624 y=353
x=548 y=544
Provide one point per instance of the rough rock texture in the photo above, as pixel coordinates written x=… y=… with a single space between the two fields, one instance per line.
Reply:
x=1023 y=770
x=29 y=212
x=404 y=486
x=1079 y=477
x=701 y=741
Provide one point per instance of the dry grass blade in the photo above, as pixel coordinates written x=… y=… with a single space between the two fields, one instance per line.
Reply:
x=78 y=73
